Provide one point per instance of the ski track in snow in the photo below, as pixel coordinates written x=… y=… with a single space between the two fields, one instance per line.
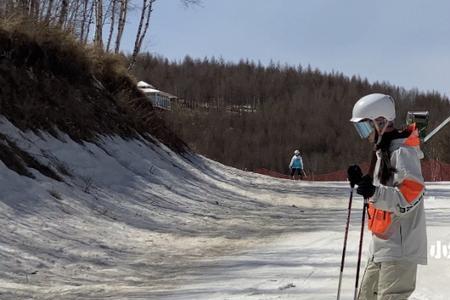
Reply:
x=137 y=221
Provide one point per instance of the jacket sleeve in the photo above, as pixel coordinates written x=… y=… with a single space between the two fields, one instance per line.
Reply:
x=408 y=186
x=301 y=163
x=292 y=161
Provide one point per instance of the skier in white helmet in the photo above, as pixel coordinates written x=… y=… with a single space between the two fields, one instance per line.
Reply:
x=296 y=165
x=395 y=191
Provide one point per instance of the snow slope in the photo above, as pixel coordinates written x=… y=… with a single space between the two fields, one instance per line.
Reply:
x=133 y=220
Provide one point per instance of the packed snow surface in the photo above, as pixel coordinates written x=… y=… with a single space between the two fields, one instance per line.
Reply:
x=133 y=220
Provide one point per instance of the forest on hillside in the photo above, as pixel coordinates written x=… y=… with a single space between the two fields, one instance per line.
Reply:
x=251 y=116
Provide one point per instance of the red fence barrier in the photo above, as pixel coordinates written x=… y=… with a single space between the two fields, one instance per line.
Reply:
x=432 y=170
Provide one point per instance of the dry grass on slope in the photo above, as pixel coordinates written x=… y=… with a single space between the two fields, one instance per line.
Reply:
x=48 y=80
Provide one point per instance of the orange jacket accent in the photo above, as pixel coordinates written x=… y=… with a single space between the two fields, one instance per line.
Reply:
x=410 y=189
x=413 y=140
x=379 y=221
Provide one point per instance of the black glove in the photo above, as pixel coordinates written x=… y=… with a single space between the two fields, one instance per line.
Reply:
x=354 y=175
x=365 y=187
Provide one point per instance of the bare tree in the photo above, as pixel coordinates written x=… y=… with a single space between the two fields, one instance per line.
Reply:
x=89 y=22
x=49 y=11
x=78 y=16
x=142 y=29
x=147 y=8
x=98 y=39
x=34 y=9
x=121 y=24
x=111 y=26
x=24 y=7
x=74 y=10
x=63 y=12
x=84 y=19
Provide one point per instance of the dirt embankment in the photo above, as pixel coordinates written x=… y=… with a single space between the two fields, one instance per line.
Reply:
x=49 y=81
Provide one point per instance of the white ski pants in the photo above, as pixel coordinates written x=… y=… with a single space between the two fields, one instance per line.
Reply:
x=394 y=280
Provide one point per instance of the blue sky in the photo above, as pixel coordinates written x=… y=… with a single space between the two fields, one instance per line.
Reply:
x=406 y=43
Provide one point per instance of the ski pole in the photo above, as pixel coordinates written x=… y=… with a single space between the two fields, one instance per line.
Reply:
x=430 y=135
x=360 y=246
x=345 y=242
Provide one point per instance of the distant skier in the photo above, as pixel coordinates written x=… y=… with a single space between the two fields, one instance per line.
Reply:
x=296 y=165
x=395 y=191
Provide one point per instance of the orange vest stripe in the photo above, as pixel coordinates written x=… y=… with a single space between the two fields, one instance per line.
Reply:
x=379 y=221
x=413 y=140
x=410 y=189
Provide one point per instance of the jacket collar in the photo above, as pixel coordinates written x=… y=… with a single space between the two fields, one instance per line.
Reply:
x=412 y=140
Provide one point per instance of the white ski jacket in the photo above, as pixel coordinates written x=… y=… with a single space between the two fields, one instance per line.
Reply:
x=399 y=204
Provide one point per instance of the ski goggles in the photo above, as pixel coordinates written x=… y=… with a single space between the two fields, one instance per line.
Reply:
x=364 y=128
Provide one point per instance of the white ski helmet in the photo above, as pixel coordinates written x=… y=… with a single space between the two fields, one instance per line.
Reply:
x=368 y=109
x=372 y=107
x=296 y=152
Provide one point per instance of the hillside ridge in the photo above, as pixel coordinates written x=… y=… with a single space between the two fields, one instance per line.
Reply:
x=50 y=82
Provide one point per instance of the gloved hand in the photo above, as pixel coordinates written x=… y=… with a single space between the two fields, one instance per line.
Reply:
x=354 y=175
x=365 y=187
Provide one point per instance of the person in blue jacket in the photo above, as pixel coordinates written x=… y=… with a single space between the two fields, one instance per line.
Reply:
x=296 y=165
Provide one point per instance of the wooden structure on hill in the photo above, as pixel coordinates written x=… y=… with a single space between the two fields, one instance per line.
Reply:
x=160 y=100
